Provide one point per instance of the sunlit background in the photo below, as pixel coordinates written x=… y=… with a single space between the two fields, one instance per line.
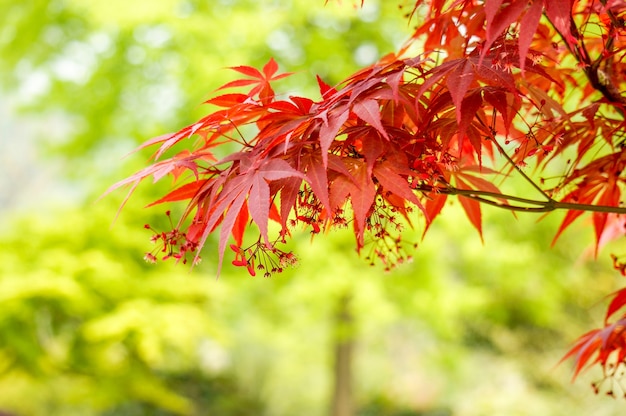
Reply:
x=88 y=328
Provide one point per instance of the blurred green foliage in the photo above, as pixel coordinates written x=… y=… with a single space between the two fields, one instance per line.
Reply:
x=88 y=328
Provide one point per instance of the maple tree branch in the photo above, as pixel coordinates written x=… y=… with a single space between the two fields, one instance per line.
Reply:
x=536 y=206
x=599 y=80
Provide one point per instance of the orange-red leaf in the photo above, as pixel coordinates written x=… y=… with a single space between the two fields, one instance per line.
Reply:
x=187 y=191
x=471 y=207
x=369 y=111
x=471 y=105
x=500 y=18
x=241 y=223
x=325 y=89
x=330 y=128
x=394 y=183
x=618 y=301
x=560 y=13
x=528 y=27
x=458 y=83
x=317 y=177
x=259 y=191
x=227 y=100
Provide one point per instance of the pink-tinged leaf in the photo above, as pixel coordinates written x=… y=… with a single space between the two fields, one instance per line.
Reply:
x=610 y=197
x=362 y=197
x=616 y=224
x=289 y=188
x=259 y=194
x=582 y=340
x=560 y=14
x=492 y=7
x=340 y=188
x=187 y=191
x=227 y=225
x=394 y=183
x=157 y=171
x=330 y=129
x=277 y=169
x=458 y=83
x=502 y=20
x=539 y=70
x=619 y=300
x=184 y=133
x=435 y=75
x=160 y=139
x=394 y=81
x=496 y=77
x=335 y=163
x=528 y=27
x=259 y=204
x=599 y=346
x=369 y=111
x=194 y=231
x=223 y=208
x=317 y=177
x=585 y=350
x=372 y=148
x=362 y=191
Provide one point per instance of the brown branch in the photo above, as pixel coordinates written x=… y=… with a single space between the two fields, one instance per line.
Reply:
x=534 y=205
x=598 y=79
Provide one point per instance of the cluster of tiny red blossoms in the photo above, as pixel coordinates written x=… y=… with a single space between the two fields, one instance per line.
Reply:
x=309 y=209
x=384 y=229
x=171 y=244
x=262 y=257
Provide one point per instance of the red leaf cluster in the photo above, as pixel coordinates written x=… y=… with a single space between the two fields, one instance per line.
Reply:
x=412 y=129
x=604 y=346
x=500 y=85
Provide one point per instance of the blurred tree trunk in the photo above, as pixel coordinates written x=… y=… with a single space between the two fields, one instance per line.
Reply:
x=342 y=402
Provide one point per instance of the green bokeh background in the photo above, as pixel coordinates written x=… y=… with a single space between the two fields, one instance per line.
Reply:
x=88 y=328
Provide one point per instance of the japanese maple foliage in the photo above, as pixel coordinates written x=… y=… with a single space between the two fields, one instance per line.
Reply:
x=481 y=91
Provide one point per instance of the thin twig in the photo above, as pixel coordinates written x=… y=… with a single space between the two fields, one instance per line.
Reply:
x=536 y=206
x=520 y=171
